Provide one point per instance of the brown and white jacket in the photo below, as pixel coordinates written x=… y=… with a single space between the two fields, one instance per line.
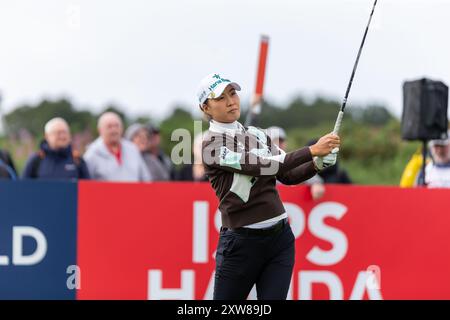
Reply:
x=243 y=166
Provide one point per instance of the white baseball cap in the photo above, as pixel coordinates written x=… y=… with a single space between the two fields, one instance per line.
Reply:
x=212 y=86
x=445 y=140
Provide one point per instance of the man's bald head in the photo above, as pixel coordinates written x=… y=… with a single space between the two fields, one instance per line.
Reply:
x=108 y=117
x=110 y=128
x=57 y=133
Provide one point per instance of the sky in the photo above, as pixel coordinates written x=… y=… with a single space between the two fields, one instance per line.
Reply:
x=148 y=56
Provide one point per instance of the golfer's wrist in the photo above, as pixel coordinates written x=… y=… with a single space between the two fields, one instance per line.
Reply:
x=313 y=151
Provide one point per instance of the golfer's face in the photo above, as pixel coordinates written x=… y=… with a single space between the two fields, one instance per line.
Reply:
x=226 y=107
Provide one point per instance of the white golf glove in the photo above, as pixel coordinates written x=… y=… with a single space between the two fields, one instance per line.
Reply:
x=325 y=162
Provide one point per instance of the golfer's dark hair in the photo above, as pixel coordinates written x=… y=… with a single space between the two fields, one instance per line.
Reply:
x=206 y=116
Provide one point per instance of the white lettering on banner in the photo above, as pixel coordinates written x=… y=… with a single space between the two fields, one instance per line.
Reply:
x=252 y=296
x=366 y=281
x=374 y=279
x=319 y=229
x=296 y=218
x=210 y=289
x=363 y=283
x=41 y=246
x=306 y=280
x=331 y=280
x=200 y=232
x=4 y=260
x=157 y=292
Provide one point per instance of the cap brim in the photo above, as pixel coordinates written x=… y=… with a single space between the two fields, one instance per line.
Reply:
x=439 y=143
x=442 y=144
x=217 y=92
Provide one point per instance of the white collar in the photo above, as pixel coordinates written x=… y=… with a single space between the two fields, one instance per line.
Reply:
x=228 y=128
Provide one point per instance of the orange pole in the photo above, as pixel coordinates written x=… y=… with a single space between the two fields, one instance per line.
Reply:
x=263 y=49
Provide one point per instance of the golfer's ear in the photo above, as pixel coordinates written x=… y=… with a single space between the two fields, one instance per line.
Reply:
x=204 y=107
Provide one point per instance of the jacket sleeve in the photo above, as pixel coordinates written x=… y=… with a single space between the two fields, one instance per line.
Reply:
x=27 y=171
x=10 y=162
x=91 y=163
x=223 y=152
x=296 y=175
x=144 y=172
x=83 y=170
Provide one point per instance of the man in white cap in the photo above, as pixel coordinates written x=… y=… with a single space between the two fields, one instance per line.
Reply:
x=437 y=172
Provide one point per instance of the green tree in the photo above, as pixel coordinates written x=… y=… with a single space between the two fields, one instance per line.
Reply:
x=179 y=119
x=33 y=118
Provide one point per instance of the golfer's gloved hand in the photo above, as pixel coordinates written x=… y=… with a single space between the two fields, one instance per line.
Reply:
x=325 y=162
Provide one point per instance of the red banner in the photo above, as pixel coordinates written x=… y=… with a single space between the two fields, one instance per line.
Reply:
x=157 y=241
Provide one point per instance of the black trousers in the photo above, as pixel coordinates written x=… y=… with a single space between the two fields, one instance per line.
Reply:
x=245 y=258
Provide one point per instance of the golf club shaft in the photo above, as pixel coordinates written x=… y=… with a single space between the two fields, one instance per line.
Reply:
x=337 y=125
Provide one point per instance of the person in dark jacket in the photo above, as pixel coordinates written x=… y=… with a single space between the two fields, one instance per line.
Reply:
x=55 y=158
x=159 y=164
x=194 y=171
x=7 y=169
x=333 y=174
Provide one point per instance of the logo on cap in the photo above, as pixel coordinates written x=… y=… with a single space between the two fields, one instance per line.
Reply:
x=211 y=83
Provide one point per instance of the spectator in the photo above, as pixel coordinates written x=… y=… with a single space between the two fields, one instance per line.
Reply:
x=159 y=167
x=412 y=172
x=139 y=135
x=196 y=170
x=112 y=158
x=279 y=137
x=333 y=174
x=159 y=164
x=55 y=158
x=437 y=172
x=7 y=169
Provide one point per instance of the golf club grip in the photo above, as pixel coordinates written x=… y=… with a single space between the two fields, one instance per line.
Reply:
x=337 y=125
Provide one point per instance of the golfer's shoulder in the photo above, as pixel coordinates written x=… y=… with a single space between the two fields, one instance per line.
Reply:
x=211 y=138
x=260 y=133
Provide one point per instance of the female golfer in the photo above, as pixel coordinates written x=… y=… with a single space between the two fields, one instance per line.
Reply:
x=256 y=243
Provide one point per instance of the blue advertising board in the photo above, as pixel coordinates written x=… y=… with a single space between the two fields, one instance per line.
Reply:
x=38 y=228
